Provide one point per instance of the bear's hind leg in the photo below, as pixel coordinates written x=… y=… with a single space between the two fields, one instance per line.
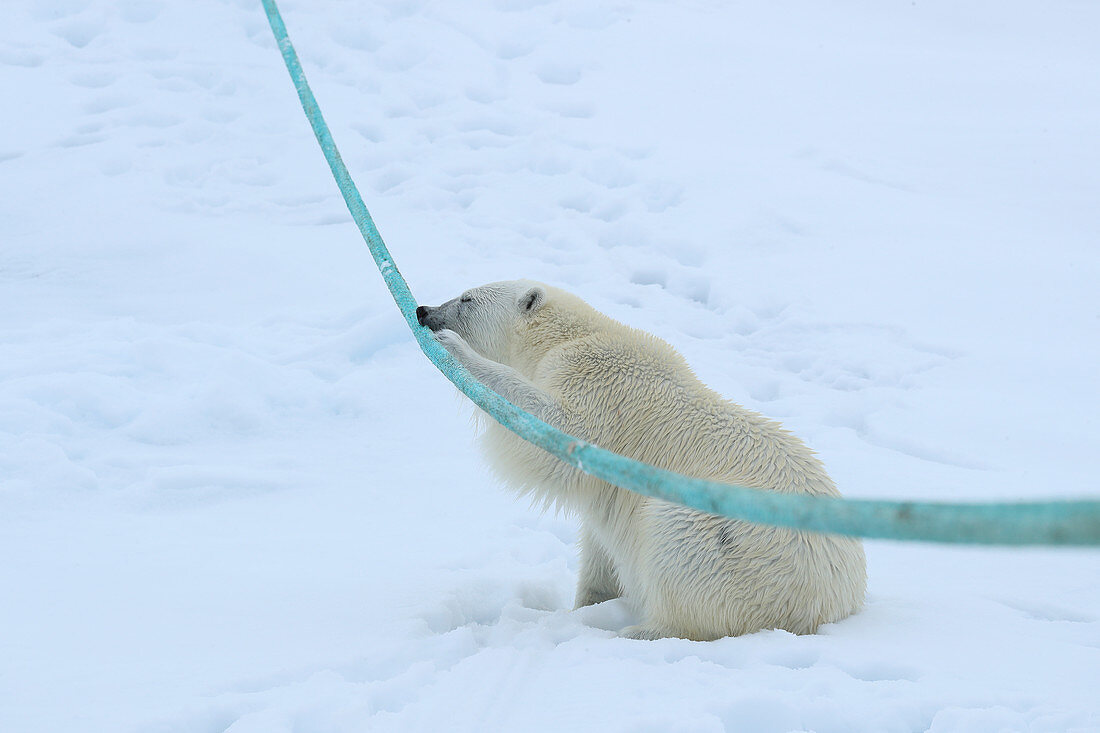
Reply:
x=597 y=581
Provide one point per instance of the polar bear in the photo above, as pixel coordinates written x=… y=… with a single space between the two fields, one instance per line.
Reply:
x=688 y=574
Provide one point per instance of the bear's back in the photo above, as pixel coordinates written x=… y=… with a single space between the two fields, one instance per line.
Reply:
x=630 y=392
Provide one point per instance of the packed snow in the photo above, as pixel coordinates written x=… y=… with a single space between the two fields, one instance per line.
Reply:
x=235 y=497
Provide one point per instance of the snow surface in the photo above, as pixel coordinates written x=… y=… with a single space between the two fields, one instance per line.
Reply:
x=235 y=497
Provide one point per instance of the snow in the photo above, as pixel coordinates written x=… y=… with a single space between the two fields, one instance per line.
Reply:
x=235 y=497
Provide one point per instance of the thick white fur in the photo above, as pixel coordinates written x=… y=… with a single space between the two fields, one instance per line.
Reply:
x=690 y=574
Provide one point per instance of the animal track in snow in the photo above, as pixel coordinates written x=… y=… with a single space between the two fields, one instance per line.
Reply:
x=577 y=202
x=696 y=288
x=483 y=94
x=371 y=133
x=108 y=102
x=79 y=139
x=680 y=283
x=563 y=74
x=21 y=57
x=764 y=391
x=514 y=48
x=79 y=33
x=610 y=211
x=649 y=277
x=390 y=179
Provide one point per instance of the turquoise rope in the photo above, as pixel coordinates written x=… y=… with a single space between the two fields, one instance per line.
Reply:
x=1025 y=523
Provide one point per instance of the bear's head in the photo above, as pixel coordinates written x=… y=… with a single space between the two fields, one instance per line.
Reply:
x=493 y=318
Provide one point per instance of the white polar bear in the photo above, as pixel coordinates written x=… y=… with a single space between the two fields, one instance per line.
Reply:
x=689 y=574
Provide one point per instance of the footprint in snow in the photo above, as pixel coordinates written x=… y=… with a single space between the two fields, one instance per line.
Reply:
x=610 y=211
x=107 y=102
x=577 y=202
x=649 y=277
x=561 y=74
x=483 y=94
x=80 y=139
x=21 y=57
x=510 y=49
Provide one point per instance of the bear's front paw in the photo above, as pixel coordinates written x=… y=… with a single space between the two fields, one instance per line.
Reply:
x=452 y=342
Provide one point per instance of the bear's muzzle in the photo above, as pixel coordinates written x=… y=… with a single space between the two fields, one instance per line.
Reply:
x=426 y=316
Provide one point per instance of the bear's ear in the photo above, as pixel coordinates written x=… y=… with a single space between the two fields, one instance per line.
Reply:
x=532 y=300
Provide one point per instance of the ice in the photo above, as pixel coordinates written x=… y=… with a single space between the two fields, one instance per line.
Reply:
x=235 y=497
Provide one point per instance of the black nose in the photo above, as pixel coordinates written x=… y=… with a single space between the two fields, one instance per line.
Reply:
x=421 y=314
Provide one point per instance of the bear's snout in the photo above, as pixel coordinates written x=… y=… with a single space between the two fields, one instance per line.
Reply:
x=424 y=317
